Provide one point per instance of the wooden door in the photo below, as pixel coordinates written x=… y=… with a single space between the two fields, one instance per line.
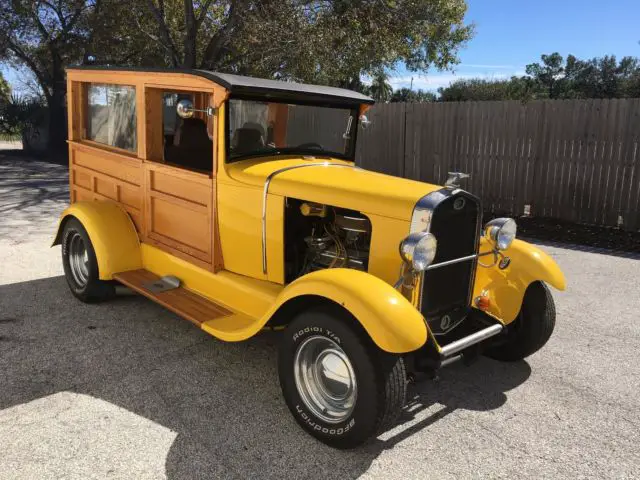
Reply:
x=179 y=212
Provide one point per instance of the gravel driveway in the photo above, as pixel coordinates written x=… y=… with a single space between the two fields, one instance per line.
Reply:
x=128 y=390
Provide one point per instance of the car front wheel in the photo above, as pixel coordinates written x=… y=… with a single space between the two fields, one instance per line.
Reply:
x=339 y=387
x=533 y=327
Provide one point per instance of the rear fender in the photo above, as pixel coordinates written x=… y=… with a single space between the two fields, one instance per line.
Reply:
x=506 y=288
x=391 y=321
x=112 y=234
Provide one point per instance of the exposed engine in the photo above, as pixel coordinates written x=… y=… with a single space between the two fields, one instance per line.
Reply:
x=321 y=236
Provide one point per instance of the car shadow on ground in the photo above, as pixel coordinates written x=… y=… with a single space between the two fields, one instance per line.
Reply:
x=222 y=399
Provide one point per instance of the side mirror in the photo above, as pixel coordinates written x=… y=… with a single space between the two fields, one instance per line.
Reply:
x=365 y=122
x=185 y=109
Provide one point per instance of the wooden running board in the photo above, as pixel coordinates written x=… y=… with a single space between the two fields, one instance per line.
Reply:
x=181 y=301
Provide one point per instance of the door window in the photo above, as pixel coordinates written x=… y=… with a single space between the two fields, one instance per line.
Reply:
x=188 y=142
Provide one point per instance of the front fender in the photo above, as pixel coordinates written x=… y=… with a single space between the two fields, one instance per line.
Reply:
x=506 y=288
x=391 y=321
x=112 y=234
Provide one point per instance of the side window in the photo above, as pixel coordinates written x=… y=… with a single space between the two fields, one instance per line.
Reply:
x=188 y=142
x=111 y=116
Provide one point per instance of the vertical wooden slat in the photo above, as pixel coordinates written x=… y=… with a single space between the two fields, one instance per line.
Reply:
x=576 y=160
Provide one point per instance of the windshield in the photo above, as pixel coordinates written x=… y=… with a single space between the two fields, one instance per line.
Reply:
x=273 y=128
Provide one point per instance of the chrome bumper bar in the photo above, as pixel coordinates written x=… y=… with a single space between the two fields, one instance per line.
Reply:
x=459 y=345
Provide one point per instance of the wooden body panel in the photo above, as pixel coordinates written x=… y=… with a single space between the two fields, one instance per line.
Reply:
x=179 y=211
x=172 y=208
x=99 y=174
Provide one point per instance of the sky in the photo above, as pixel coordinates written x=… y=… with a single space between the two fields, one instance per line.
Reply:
x=512 y=33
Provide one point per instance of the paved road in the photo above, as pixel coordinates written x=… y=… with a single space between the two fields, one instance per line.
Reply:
x=128 y=390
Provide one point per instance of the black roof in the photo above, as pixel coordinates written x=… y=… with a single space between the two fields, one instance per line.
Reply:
x=259 y=87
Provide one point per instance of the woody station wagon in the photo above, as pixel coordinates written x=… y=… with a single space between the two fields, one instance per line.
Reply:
x=235 y=203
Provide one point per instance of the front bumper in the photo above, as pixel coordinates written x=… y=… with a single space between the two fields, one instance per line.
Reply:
x=476 y=333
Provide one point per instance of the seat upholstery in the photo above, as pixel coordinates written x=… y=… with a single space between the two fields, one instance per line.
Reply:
x=194 y=148
x=247 y=140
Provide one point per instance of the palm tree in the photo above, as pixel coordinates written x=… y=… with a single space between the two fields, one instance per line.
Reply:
x=381 y=89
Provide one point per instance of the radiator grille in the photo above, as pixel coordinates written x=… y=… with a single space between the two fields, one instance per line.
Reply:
x=447 y=290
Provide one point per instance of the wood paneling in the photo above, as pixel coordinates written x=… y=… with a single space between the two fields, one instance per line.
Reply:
x=181 y=301
x=97 y=174
x=575 y=160
x=179 y=211
x=172 y=208
x=154 y=124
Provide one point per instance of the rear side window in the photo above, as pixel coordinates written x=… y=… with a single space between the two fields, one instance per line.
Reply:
x=112 y=115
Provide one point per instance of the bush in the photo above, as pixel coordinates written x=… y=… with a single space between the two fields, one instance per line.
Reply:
x=18 y=114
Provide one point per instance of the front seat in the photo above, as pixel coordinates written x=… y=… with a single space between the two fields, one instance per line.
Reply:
x=194 y=148
x=247 y=140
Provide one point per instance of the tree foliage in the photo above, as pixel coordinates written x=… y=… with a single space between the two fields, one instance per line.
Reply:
x=322 y=41
x=16 y=113
x=47 y=36
x=479 y=89
x=555 y=78
x=412 y=96
x=380 y=89
x=5 y=90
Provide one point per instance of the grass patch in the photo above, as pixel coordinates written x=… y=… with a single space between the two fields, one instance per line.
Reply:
x=10 y=137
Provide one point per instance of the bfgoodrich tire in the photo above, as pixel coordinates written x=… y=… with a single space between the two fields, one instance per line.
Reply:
x=532 y=329
x=339 y=387
x=80 y=265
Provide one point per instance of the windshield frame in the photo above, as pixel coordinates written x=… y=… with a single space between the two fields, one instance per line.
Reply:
x=291 y=151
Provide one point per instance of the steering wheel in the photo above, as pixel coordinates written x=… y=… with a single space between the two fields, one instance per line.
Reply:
x=310 y=145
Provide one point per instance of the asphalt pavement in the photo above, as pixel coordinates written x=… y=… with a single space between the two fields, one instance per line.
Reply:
x=126 y=389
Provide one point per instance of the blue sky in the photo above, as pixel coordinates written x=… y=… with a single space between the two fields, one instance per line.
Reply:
x=512 y=33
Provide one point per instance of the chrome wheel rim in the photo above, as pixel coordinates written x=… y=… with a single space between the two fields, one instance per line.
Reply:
x=78 y=260
x=325 y=379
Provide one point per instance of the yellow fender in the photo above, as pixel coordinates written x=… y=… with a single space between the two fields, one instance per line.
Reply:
x=112 y=234
x=506 y=288
x=391 y=321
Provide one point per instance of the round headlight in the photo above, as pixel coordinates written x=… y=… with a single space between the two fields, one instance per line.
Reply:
x=502 y=231
x=419 y=250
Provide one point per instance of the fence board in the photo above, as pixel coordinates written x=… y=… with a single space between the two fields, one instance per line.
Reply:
x=575 y=160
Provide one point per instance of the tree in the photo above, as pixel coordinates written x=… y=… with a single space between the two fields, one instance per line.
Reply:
x=478 y=89
x=322 y=41
x=47 y=36
x=549 y=73
x=412 y=96
x=17 y=113
x=330 y=42
x=381 y=89
x=5 y=90
x=600 y=77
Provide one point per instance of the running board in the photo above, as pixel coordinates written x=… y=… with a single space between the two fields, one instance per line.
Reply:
x=180 y=300
x=454 y=347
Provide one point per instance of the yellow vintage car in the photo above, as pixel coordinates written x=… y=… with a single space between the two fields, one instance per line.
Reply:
x=235 y=203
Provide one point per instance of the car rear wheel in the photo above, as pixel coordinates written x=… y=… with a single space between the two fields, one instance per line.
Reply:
x=339 y=387
x=81 y=266
x=532 y=329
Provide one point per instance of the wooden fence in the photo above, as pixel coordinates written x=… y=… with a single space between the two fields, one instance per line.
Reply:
x=574 y=160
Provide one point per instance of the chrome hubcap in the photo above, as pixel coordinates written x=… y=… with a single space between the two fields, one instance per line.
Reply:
x=78 y=260
x=325 y=379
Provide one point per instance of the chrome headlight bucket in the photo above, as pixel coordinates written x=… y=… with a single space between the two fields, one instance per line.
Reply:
x=419 y=250
x=501 y=231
